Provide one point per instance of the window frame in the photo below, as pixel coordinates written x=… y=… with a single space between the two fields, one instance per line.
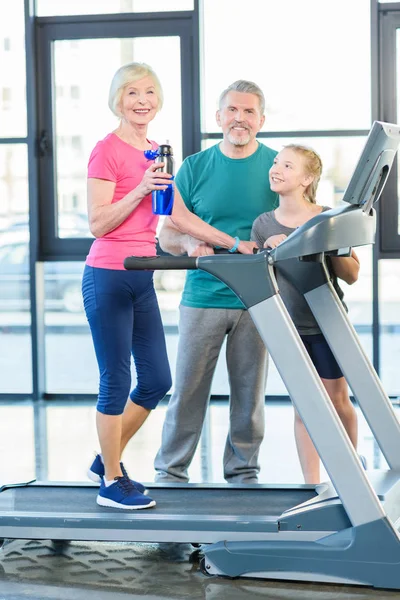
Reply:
x=50 y=29
x=389 y=23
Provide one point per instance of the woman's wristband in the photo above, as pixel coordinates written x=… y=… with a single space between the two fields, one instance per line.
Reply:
x=235 y=245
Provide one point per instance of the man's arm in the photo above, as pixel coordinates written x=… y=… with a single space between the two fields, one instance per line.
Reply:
x=175 y=242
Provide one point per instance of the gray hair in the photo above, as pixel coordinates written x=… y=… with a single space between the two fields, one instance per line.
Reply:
x=128 y=74
x=246 y=87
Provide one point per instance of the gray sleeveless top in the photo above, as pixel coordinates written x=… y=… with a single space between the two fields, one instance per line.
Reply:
x=265 y=226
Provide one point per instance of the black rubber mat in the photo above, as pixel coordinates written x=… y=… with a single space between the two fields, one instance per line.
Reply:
x=197 y=501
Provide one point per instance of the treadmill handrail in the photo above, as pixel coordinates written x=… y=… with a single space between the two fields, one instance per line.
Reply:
x=156 y=263
x=341 y=227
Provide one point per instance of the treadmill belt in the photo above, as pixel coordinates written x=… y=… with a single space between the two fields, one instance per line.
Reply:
x=197 y=501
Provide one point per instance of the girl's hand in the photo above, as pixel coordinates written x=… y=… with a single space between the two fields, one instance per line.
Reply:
x=274 y=240
x=247 y=247
x=153 y=180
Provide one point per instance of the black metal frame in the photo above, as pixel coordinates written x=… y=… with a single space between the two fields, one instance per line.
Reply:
x=388 y=23
x=130 y=25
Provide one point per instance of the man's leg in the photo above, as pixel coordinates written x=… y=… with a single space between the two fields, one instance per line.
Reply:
x=201 y=334
x=247 y=363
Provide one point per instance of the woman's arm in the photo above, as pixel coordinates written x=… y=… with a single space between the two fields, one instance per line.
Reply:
x=346 y=267
x=189 y=223
x=105 y=216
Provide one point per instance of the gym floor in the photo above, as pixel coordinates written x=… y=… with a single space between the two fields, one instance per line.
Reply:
x=40 y=570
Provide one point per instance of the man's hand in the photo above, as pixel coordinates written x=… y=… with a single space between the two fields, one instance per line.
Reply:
x=274 y=240
x=195 y=247
x=247 y=247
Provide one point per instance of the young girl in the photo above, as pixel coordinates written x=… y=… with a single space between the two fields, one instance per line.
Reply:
x=294 y=176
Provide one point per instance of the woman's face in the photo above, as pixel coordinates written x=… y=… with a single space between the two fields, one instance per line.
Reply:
x=139 y=101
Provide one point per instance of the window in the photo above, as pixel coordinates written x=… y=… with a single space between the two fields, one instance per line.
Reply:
x=15 y=320
x=75 y=92
x=76 y=142
x=12 y=70
x=311 y=80
x=6 y=96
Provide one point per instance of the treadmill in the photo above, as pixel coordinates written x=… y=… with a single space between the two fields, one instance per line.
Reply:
x=344 y=531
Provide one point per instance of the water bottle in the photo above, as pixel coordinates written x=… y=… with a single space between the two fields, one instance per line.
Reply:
x=163 y=200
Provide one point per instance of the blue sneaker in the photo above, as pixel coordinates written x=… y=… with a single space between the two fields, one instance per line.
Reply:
x=96 y=474
x=123 y=494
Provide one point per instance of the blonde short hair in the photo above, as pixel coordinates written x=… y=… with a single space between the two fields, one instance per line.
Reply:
x=128 y=74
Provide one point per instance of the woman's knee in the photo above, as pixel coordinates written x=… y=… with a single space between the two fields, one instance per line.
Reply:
x=149 y=395
x=162 y=385
x=113 y=392
x=108 y=406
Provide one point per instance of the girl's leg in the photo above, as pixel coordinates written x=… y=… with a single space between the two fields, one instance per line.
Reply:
x=338 y=393
x=308 y=456
x=309 y=459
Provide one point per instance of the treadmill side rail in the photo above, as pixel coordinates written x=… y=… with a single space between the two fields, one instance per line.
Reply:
x=316 y=410
x=357 y=369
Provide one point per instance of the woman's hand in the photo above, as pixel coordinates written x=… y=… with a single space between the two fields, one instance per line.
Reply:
x=247 y=247
x=153 y=180
x=274 y=240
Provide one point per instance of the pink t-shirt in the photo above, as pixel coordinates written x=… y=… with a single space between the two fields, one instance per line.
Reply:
x=115 y=160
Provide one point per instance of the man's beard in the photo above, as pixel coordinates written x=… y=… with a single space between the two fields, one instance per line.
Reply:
x=238 y=141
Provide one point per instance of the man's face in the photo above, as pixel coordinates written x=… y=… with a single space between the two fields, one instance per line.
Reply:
x=240 y=118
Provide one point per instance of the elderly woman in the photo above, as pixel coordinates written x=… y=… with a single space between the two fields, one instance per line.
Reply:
x=121 y=306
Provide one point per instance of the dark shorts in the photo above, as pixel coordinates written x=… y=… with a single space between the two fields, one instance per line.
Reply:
x=322 y=357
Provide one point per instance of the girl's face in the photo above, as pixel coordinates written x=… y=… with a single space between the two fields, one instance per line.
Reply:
x=139 y=101
x=288 y=173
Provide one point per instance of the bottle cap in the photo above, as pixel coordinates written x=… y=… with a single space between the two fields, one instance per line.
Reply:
x=165 y=150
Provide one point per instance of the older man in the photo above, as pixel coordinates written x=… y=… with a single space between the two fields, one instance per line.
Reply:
x=227 y=186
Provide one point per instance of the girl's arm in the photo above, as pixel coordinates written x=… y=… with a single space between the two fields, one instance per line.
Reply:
x=104 y=216
x=189 y=223
x=346 y=267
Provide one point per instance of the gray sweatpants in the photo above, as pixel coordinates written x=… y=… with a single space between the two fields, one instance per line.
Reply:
x=201 y=334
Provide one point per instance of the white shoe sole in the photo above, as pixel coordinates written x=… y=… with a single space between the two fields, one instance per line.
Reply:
x=97 y=479
x=93 y=476
x=111 y=504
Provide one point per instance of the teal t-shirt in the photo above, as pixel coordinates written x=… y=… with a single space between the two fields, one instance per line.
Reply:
x=228 y=194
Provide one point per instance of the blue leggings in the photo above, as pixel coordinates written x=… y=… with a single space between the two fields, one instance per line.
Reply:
x=124 y=318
